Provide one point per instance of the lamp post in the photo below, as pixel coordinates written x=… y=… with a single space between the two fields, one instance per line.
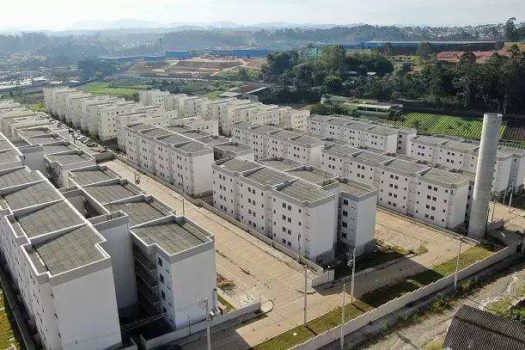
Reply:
x=457 y=265
x=204 y=304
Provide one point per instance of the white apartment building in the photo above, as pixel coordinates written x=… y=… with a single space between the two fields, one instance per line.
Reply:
x=294 y=118
x=164 y=156
x=191 y=167
x=305 y=149
x=210 y=127
x=335 y=159
x=54 y=256
x=154 y=98
x=104 y=123
x=58 y=165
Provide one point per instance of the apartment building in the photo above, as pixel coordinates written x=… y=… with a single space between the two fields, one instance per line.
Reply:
x=154 y=98
x=336 y=159
x=54 y=256
x=156 y=254
x=58 y=165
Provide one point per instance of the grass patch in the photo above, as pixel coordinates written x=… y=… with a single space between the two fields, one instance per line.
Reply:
x=384 y=253
x=383 y=295
x=436 y=344
x=314 y=327
x=503 y=307
x=229 y=307
x=38 y=107
x=8 y=331
x=99 y=88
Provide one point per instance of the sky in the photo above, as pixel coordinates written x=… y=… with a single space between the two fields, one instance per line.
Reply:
x=63 y=14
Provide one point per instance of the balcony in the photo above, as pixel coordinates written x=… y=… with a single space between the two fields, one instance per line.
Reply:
x=143 y=261
x=149 y=279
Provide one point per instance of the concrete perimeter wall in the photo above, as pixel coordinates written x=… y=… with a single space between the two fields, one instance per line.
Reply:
x=398 y=303
x=197 y=327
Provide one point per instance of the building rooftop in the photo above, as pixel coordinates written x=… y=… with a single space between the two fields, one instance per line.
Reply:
x=268 y=177
x=281 y=164
x=171 y=237
x=140 y=212
x=429 y=140
x=475 y=329
x=42 y=140
x=304 y=191
x=233 y=148
x=239 y=165
x=18 y=177
x=445 y=177
x=176 y=128
x=461 y=146
x=214 y=140
x=107 y=193
x=87 y=177
x=382 y=130
x=356 y=188
x=5 y=145
x=58 y=148
x=157 y=132
x=53 y=217
x=339 y=121
x=341 y=150
x=194 y=134
x=307 y=141
x=140 y=126
x=284 y=135
x=244 y=125
x=37 y=193
x=265 y=129
x=18 y=143
x=8 y=156
x=174 y=139
x=193 y=146
x=361 y=126
x=371 y=157
x=34 y=132
x=405 y=166
x=313 y=175
x=68 y=251
x=69 y=158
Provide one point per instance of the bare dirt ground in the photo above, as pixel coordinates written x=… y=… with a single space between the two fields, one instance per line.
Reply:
x=434 y=328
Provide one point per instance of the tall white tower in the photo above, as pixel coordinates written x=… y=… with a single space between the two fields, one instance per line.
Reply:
x=484 y=175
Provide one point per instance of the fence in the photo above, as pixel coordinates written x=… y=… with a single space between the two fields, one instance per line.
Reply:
x=400 y=302
x=198 y=327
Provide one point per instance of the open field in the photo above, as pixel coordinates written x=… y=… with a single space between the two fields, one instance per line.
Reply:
x=8 y=334
x=427 y=123
x=106 y=89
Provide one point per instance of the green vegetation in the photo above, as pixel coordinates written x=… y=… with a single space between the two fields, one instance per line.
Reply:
x=38 y=107
x=383 y=295
x=378 y=297
x=427 y=123
x=128 y=92
x=384 y=253
x=226 y=303
x=210 y=89
x=316 y=326
x=503 y=307
x=436 y=344
x=8 y=331
x=240 y=74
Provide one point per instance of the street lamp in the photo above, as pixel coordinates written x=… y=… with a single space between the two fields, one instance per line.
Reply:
x=205 y=304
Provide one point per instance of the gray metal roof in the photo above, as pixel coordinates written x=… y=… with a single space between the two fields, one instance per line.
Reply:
x=19 y=142
x=429 y=140
x=239 y=165
x=41 y=140
x=34 y=132
x=382 y=130
x=356 y=188
x=371 y=157
x=38 y=193
x=177 y=129
x=265 y=129
x=214 y=140
x=69 y=158
x=18 y=177
x=171 y=237
x=140 y=126
x=461 y=146
x=86 y=177
x=475 y=329
x=303 y=191
x=307 y=141
x=192 y=146
x=140 y=212
x=4 y=144
x=8 y=156
x=111 y=192
x=244 y=125
x=445 y=177
x=157 y=132
x=284 y=135
x=51 y=218
x=69 y=251
x=404 y=166
x=174 y=139
x=361 y=126
x=281 y=164
x=341 y=150
x=313 y=175
x=49 y=149
x=267 y=176
x=233 y=148
x=194 y=134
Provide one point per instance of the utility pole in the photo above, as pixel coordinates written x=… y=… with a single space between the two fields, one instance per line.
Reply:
x=493 y=209
x=205 y=304
x=457 y=265
x=353 y=279
x=511 y=193
x=305 y=307
x=342 y=340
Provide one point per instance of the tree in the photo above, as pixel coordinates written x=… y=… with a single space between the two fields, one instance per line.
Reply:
x=333 y=85
x=510 y=31
x=333 y=59
x=94 y=68
x=424 y=50
x=388 y=49
x=279 y=62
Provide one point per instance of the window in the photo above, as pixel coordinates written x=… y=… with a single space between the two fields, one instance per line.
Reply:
x=161 y=277
x=160 y=262
x=163 y=295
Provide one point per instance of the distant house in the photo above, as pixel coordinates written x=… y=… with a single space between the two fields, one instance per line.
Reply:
x=480 y=330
